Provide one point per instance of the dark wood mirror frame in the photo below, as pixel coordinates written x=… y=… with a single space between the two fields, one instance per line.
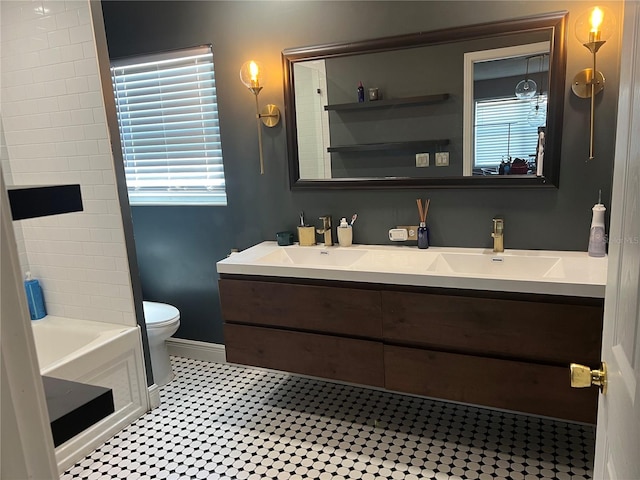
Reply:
x=554 y=22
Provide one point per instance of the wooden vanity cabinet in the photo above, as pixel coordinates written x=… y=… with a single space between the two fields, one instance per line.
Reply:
x=502 y=350
x=495 y=349
x=554 y=330
x=314 y=330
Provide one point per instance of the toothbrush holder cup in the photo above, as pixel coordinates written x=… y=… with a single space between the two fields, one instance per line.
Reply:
x=306 y=236
x=345 y=236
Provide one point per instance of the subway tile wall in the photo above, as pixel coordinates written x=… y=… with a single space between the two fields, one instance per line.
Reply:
x=55 y=132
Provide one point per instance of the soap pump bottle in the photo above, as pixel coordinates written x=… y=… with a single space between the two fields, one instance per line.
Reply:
x=597 y=239
x=35 y=300
x=360 y=93
x=345 y=233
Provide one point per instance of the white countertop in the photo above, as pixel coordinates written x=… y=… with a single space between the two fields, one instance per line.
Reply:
x=524 y=271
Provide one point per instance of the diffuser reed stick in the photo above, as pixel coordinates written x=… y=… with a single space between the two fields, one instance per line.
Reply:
x=423 y=211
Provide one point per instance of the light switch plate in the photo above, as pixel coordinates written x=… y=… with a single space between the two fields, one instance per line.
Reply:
x=422 y=159
x=442 y=159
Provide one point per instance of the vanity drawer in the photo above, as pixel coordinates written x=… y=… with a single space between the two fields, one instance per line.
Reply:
x=556 y=333
x=341 y=311
x=510 y=385
x=349 y=360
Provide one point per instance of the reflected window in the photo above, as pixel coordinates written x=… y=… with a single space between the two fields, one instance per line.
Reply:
x=507 y=129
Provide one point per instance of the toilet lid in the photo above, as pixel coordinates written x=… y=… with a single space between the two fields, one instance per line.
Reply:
x=159 y=314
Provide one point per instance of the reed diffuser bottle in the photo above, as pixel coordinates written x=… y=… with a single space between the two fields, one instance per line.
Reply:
x=423 y=230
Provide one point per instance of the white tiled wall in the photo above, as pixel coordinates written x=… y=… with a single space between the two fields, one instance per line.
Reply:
x=54 y=125
x=312 y=121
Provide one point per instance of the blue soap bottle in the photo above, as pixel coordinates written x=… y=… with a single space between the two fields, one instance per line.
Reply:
x=360 y=92
x=35 y=299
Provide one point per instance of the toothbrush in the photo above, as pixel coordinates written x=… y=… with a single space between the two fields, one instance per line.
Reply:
x=302 y=219
x=353 y=219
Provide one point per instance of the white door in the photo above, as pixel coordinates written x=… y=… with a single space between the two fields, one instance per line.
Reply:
x=618 y=431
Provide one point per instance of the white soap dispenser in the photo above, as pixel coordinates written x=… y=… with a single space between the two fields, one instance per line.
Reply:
x=597 y=238
x=345 y=233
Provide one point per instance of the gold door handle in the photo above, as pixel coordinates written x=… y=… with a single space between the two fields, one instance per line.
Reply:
x=582 y=376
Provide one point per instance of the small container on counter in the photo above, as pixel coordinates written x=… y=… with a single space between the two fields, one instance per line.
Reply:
x=306 y=235
x=284 y=238
x=345 y=233
x=597 y=236
x=423 y=235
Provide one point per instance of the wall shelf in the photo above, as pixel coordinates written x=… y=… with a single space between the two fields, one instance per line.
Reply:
x=389 y=146
x=42 y=201
x=393 y=102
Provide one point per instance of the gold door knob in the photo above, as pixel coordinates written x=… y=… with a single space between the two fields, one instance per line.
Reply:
x=582 y=376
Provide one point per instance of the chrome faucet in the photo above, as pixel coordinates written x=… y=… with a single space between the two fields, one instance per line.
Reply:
x=326 y=230
x=498 y=235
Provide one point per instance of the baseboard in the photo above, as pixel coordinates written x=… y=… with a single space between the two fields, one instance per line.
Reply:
x=209 y=352
x=84 y=443
x=154 y=396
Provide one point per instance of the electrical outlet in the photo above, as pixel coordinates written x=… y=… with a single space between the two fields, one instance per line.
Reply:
x=412 y=231
x=422 y=159
x=442 y=159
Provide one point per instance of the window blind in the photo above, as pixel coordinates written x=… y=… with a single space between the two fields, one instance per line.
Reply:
x=502 y=129
x=169 y=131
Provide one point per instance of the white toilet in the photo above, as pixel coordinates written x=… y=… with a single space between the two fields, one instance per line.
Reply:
x=162 y=321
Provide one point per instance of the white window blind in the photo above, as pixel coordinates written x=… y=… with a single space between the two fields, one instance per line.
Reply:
x=502 y=129
x=168 y=120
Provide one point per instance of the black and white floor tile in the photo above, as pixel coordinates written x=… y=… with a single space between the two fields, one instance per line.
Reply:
x=222 y=421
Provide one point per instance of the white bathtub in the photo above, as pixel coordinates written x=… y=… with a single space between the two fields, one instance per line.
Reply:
x=96 y=353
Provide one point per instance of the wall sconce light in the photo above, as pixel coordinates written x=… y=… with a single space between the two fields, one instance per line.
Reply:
x=252 y=75
x=593 y=29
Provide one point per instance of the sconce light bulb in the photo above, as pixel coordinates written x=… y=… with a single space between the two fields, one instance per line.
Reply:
x=595 y=25
x=253 y=68
x=252 y=74
x=596 y=20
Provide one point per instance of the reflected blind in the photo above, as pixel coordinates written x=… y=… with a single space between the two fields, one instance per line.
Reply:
x=502 y=129
x=168 y=120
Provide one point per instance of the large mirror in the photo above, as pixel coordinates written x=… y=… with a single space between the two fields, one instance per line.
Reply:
x=473 y=106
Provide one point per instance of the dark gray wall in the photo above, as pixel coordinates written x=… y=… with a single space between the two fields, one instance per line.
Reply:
x=397 y=74
x=405 y=73
x=178 y=246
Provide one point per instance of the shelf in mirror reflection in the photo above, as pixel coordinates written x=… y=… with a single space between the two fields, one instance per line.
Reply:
x=391 y=146
x=392 y=102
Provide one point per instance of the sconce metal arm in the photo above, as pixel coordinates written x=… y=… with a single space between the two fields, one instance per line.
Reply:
x=259 y=135
x=587 y=84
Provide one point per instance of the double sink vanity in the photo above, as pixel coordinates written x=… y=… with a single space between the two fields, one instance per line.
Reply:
x=460 y=324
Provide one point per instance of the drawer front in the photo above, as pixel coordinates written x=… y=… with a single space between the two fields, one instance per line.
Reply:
x=342 y=311
x=349 y=360
x=510 y=385
x=547 y=332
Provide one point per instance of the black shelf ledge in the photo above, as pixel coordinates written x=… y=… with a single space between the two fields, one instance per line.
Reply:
x=392 y=102
x=389 y=146
x=42 y=201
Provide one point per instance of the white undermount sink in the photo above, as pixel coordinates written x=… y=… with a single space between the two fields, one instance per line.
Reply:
x=311 y=256
x=496 y=264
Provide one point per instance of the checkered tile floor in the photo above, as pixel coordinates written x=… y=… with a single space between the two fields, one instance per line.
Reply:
x=221 y=421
